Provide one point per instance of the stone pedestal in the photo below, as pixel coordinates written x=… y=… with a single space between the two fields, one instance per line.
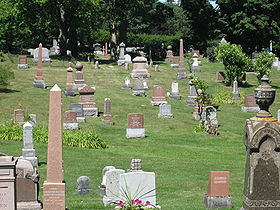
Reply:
x=54 y=196
x=140 y=68
x=87 y=99
x=135 y=133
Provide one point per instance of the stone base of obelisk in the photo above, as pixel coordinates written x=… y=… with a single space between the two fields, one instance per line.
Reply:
x=29 y=205
x=54 y=196
x=235 y=96
x=69 y=92
x=39 y=84
x=217 y=202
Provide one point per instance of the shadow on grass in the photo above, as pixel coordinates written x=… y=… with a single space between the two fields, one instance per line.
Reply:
x=42 y=163
x=276 y=87
x=7 y=90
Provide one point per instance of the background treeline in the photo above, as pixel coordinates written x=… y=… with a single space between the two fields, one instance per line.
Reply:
x=146 y=23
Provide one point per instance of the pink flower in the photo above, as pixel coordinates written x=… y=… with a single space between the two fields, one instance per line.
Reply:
x=148 y=203
x=138 y=201
x=121 y=203
x=134 y=202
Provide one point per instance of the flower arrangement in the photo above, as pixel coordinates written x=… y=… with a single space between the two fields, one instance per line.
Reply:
x=136 y=205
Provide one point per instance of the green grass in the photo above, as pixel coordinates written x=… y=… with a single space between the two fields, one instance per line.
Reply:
x=180 y=157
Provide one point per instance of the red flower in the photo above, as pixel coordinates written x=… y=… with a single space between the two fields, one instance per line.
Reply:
x=138 y=201
x=134 y=202
x=121 y=203
x=148 y=203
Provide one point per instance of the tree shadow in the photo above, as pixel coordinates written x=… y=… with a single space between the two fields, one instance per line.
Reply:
x=7 y=90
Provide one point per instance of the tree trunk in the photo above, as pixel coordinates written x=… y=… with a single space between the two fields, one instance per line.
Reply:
x=113 y=42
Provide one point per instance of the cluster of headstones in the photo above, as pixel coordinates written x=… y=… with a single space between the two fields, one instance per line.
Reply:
x=116 y=183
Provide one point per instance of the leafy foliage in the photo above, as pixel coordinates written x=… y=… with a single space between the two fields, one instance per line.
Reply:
x=40 y=134
x=235 y=61
x=5 y=74
x=263 y=64
x=225 y=97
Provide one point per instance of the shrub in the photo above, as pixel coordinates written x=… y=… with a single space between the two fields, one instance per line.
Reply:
x=235 y=61
x=263 y=64
x=224 y=97
x=40 y=134
x=5 y=75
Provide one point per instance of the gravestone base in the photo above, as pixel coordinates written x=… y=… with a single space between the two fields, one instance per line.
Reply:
x=140 y=74
x=135 y=133
x=174 y=65
x=165 y=115
x=217 y=202
x=175 y=96
x=91 y=112
x=70 y=126
x=78 y=86
x=191 y=102
x=69 y=92
x=250 y=109
x=139 y=93
x=32 y=160
x=44 y=60
x=81 y=119
x=83 y=191
x=107 y=201
x=121 y=62
x=54 y=196
x=195 y=69
x=126 y=87
x=29 y=205
x=181 y=75
x=235 y=96
x=39 y=84
x=107 y=122
x=23 y=66
x=157 y=103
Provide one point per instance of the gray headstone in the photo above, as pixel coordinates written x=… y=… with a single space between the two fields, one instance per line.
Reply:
x=112 y=194
x=28 y=151
x=278 y=115
x=235 y=94
x=192 y=95
x=175 y=91
x=138 y=85
x=127 y=58
x=135 y=165
x=45 y=55
x=165 y=111
x=83 y=185
x=211 y=114
x=32 y=120
x=121 y=60
x=80 y=112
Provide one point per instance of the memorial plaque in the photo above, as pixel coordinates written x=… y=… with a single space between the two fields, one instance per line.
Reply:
x=135 y=120
x=218 y=184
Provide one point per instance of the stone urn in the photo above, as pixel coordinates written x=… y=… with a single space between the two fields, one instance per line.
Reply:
x=265 y=96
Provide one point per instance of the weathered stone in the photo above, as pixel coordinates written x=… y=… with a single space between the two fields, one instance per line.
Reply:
x=127 y=83
x=39 y=80
x=191 y=100
x=138 y=89
x=22 y=62
x=83 y=185
x=235 y=93
x=140 y=68
x=107 y=117
x=135 y=126
x=181 y=74
x=135 y=165
x=70 y=120
x=121 y=60
x=220 y=76
x=165 y=111
x=250 y=104
x=78 y=108
x=169 y=54
x=217 y=202
x=28 y=151
x=54 y=187
x=135 y=182
x=175 y=91
x=45 y=55
x=32 y=119
x=158 y=95
x=7 y=183
x=87 y=99
x=69 y=91
x=19 y=116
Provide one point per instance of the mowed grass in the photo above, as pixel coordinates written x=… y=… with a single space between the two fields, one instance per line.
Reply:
x=180 y=157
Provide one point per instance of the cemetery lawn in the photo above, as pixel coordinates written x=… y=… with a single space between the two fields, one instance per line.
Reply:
x=180 y=157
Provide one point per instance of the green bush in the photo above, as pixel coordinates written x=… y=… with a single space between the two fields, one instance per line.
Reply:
x=235 y=61
x=75 y=138
x=263 y=64
x=224 y=97
x=157 y=43
x=5 y=75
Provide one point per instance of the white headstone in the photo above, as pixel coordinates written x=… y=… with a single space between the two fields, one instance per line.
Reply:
x=140 y=185
x=127 y=58
x=45 y=55
x=112 y=194
x=28 y=151
x=165 y=111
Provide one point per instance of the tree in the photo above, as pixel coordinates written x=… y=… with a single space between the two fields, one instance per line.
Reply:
x=5 y=75
x=202 y=16
x=251 y=23
x=235 y=61
x=263 y=64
